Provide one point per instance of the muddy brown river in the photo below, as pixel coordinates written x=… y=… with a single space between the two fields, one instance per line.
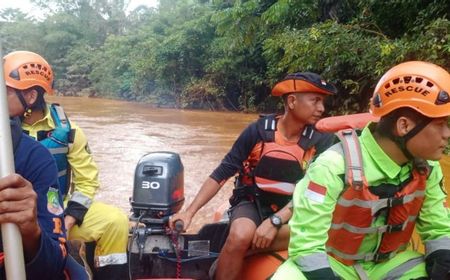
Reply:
x=121 y=132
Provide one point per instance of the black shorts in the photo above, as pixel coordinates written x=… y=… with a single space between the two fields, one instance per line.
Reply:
x=245 y=209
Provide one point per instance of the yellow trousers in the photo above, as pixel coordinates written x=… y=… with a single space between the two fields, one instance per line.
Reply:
x=108 y=227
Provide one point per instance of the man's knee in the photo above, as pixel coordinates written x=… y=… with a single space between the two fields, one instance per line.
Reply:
x=119 y=220
x=116 y=220
x=240 y=235
x=238 y=240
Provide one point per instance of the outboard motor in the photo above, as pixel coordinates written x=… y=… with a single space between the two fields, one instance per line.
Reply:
x=158 y=186
x=154 y=249
x=158 y=192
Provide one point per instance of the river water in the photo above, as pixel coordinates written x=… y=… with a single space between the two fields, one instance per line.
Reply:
x=120 y=132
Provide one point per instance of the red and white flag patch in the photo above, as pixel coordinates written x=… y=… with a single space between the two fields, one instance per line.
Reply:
x=316 y=192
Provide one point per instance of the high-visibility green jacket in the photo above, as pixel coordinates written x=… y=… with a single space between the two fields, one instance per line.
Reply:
x=316 y=195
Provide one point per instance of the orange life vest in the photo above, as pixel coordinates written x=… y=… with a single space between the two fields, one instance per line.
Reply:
x=272 y=170
x=280 y=167
x=289 y=161
x=358 y=206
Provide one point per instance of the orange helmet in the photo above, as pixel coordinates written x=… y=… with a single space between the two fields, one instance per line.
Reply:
x=305 y=82
x=23 y=70
x=419 y=85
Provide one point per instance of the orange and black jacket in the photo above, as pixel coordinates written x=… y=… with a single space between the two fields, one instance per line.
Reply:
x=248 y=147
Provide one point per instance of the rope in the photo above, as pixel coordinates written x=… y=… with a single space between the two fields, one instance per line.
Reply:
x=177 y=250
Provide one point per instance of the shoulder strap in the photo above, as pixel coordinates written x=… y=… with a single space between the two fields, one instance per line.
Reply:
x=422 y=166
x=61 y=121
x=310 y=137
x=354 y=172
x=59 y=117
x=267 y=125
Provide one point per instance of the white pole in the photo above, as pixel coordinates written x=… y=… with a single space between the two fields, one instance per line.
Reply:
x=12 y=240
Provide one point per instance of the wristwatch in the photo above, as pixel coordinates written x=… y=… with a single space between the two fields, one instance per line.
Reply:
x=276 y=221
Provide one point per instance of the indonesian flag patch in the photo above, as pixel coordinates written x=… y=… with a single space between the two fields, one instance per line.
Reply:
x=316 y=192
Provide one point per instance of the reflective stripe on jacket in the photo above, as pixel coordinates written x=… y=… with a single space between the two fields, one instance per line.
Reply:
x=312 y=217
x=358 y=206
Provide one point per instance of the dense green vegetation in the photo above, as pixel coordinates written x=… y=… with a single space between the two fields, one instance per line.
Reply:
x=226 y=54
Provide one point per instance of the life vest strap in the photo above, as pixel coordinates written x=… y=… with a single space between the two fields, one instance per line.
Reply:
x=379 y=257
x=354 y=175
x=270 y=123
x=379 y=204
x=358 y=205
x=378 y=229
x=61 y=150
x=395 y=201
x=61 y=114
x=309 y=137
x=241 y=192
x=59 y=117
x=396 y=228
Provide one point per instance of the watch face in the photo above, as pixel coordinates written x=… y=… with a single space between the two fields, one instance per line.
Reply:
x=276 y=221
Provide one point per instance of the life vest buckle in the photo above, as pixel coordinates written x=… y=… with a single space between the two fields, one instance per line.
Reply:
x=347 y=132
x=380 y=257
x=357 y=185
x=243 y=192
x=394 y=201
x=394 y=228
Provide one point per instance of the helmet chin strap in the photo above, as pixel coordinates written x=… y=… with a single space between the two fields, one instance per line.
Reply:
x=401 y=140
x=26 y=107
x=22 y=99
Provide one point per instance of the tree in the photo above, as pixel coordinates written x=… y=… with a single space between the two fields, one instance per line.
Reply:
x=228 y=53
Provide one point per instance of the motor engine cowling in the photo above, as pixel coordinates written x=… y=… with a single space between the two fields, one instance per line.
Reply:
x=158 y=189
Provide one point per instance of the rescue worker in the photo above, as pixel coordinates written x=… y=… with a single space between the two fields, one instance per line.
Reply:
x=30 y=199
x=270 y=156
x=85 y=219
x=359 y=202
